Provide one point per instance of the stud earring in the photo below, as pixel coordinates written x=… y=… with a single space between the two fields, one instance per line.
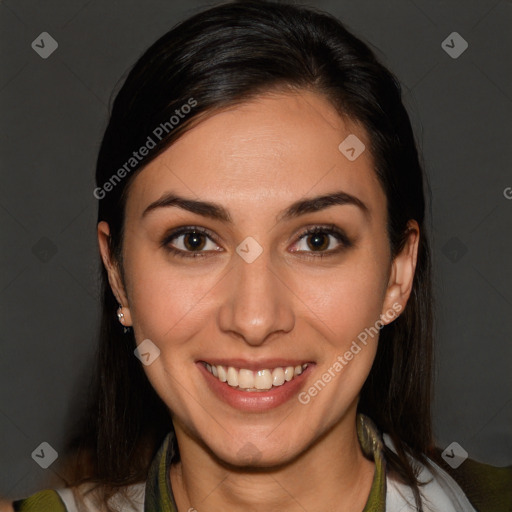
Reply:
x=120 y=314
x=120 y=317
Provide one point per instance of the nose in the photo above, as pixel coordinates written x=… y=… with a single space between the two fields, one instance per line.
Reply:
x=256 y=301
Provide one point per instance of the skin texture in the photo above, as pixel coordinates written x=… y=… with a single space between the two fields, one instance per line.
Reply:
x=6 y=506
x=255 y=160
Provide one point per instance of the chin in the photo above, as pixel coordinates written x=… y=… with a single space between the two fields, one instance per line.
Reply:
x=240 y=452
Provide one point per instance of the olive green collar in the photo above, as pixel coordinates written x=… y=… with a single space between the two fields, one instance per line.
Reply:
x=372 y=446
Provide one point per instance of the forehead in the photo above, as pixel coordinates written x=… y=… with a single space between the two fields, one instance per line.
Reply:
x=266 y=152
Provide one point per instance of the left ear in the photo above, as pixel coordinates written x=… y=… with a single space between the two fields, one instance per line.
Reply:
x=401 y=275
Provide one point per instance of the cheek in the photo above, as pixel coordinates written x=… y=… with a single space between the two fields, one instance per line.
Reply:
x=347 y=307
x=169 y=302
x=347 y=299
x=164 y=299
x=170 y=306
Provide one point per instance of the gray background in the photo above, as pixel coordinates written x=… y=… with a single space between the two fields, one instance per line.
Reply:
x=54 y=112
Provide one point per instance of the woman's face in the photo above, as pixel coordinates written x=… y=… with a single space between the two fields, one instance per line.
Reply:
x=251 y=290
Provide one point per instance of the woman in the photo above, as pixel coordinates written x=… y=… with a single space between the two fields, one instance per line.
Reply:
x=266 y=338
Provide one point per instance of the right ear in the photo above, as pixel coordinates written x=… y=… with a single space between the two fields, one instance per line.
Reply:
x=114 y=276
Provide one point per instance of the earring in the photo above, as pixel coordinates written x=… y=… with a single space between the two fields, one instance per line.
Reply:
x=120 y=314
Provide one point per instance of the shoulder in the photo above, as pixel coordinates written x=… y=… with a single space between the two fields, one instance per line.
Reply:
x=472 y=486
x=129 y=499
x=42 y=501
x=489 y=488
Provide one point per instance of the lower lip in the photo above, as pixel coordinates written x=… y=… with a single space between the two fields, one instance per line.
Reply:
x=255 y=401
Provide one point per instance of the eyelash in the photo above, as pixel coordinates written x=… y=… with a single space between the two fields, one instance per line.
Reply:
x=327 y=230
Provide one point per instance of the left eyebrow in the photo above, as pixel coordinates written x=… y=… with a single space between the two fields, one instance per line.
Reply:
x=315 y=204
x=217 y=212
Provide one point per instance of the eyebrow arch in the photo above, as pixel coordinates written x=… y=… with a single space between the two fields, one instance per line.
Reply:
x=218 y=212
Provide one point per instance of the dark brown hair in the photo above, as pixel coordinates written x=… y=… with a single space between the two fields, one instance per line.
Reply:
x=221 y=57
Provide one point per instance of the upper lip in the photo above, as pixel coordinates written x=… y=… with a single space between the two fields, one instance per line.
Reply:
x=254 y=365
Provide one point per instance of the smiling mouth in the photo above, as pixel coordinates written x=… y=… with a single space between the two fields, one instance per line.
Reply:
x=260 y=380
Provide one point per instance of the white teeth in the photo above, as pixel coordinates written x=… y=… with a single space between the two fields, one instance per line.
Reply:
x=263 y=379
x=245 y=379
x=222 y=373
x=232 y=377
x=278 y=377
x=258 y=380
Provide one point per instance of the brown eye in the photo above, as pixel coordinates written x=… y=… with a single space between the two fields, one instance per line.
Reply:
x=190 y=242
x=322 y=241
x=194 y=241
x=318 y=241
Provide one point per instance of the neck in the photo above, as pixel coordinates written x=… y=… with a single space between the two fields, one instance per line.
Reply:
x=332 y=474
